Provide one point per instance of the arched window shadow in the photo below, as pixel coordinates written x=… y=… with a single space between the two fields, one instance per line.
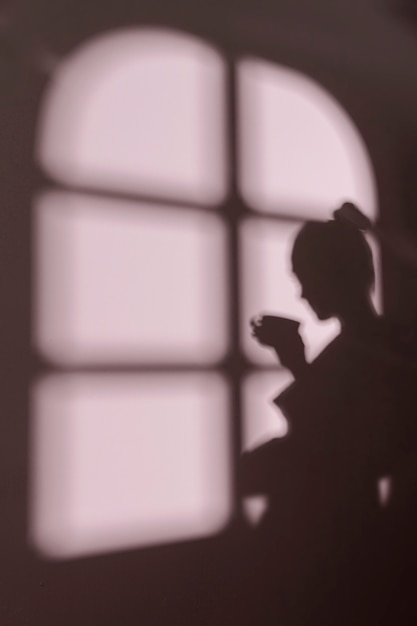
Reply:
x=236 y=233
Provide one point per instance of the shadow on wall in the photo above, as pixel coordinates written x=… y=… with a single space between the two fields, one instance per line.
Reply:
x=130 y=446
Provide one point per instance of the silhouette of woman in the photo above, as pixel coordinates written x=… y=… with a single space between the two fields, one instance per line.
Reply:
x=347 y=415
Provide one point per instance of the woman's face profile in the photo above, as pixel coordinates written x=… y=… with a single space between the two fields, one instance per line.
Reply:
x=316 y=292
x=333 y=264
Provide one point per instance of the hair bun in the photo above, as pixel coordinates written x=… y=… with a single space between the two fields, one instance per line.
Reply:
x=350 y=214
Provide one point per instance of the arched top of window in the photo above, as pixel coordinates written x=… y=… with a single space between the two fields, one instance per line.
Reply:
x=300 y=152
x=138 y=111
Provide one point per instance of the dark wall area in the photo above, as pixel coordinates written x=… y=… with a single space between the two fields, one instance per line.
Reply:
x=365 y=53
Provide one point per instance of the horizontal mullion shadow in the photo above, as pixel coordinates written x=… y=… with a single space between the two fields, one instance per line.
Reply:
x=130 y=198
x=224 y=367
x=281 y=214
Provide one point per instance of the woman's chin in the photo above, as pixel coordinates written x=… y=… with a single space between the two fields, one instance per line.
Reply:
x=322 y=315
x=320 y=311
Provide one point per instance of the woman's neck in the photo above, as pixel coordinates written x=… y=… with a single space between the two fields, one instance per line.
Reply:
x=359 y=318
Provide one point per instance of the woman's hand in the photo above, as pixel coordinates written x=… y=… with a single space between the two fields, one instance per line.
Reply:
x=266 y=330
x=282 y=335
x=274 y=331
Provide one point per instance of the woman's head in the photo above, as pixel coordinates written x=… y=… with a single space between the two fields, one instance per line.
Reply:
x=333 y=262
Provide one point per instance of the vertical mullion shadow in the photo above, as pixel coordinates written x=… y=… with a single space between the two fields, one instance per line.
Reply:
x=233 y=216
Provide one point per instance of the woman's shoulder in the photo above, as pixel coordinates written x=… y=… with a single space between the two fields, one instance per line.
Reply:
x=396 y=340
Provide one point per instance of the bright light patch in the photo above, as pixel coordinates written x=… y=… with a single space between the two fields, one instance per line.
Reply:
x=140 y=111
x=300 y=152
x=128 y=283
x=262 y=420
x=384 y=490
x=255 y=508
x=126 y=461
